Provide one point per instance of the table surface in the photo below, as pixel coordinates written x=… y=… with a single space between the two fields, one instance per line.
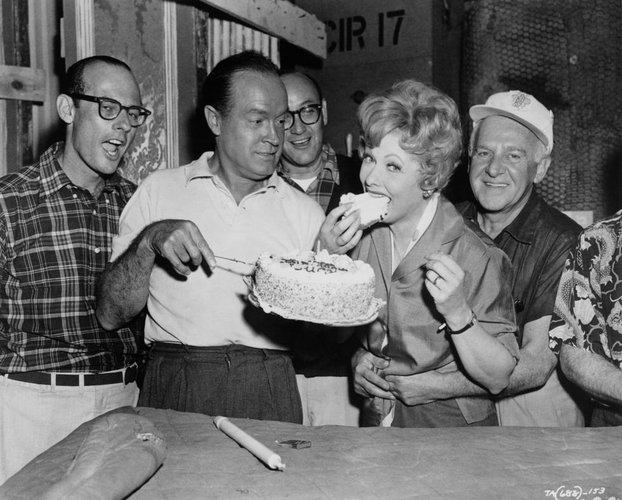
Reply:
x=375 y=463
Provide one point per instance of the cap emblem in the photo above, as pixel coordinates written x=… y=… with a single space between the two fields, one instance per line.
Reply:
x=520 y=100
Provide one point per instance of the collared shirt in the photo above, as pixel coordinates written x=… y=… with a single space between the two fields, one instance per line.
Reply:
x=422 y=225
x=212 y=309
x=588 y=310
x=409 y=319
x=537 y=242
x=321 y=189
x=55 y=241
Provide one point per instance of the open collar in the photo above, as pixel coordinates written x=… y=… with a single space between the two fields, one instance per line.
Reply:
x=53 y=178
x=447 y=225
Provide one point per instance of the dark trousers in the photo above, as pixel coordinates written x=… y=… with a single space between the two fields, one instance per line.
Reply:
x=233 y=381
x=603 y=416
x=445 y=413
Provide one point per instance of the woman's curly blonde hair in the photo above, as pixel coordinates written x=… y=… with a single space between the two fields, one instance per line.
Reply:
x=428 y=121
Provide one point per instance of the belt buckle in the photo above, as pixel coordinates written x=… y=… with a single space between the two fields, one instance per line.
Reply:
x=130 y=374
x=65 y=379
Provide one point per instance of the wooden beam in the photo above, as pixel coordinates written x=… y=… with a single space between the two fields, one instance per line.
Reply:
x=78 y=32
x=279 y=18
x=22 y=83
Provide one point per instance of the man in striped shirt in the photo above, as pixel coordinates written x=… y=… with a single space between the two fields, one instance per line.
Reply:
x=58 y=367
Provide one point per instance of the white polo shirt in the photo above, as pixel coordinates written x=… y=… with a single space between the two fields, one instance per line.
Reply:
x=211 y=310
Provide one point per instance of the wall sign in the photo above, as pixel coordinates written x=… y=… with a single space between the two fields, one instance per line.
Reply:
x=355 y=32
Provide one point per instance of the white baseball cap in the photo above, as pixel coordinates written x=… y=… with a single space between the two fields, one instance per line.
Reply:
x=521 y=107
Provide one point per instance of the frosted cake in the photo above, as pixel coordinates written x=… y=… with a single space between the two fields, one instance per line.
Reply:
x=324 y=288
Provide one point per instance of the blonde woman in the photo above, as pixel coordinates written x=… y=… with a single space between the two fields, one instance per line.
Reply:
x=449 y=304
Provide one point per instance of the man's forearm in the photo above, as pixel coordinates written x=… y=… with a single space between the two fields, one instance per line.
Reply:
x=426 y=387
x=123 y=288
x=530 y=373
x=593 y=373
x=457 y=384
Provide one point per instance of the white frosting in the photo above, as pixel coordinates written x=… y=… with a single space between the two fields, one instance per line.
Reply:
x=372 y=207
x=323 y=287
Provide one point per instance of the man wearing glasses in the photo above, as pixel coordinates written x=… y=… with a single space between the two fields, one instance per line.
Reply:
x=183 y=240
x=58 y=367
x=309 y=164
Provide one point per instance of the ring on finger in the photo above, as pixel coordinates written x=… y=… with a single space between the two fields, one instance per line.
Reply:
x=435 y=280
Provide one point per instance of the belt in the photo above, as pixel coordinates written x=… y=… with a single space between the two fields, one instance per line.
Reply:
x=125 y=375
x=231 y=349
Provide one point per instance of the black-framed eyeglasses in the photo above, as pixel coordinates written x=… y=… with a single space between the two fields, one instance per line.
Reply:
x=309 y=114
x=109 y=109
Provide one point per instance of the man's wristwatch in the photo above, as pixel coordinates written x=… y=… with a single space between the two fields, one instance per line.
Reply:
x=470 y=324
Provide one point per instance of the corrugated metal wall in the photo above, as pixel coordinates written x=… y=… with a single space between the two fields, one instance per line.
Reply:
x=220 y=38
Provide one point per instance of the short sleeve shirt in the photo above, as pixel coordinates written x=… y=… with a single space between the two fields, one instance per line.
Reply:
x=206 y=309
x=537 y=243
x=588 y=307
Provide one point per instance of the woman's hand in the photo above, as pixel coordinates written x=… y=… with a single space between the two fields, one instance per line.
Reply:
x=340 y=234
x=443 y=280
x=367 y=370
x=484 y=358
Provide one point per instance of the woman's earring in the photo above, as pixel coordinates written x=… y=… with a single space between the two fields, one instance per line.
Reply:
x=427 y=193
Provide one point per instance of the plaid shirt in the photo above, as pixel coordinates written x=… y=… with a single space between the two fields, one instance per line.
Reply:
x=321 y=189
x=55 y=240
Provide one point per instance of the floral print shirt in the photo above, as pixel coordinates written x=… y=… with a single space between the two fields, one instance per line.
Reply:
x=588 y=306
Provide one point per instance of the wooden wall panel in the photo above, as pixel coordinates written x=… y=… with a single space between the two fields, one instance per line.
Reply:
x=20 y=83
x=16 y=115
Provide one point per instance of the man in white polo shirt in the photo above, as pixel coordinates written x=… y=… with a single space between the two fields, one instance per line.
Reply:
x=212 y=352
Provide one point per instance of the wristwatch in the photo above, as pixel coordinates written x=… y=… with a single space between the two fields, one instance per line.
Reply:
x=471 y=322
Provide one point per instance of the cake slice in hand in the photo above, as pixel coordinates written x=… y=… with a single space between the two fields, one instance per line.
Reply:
x=372 y=207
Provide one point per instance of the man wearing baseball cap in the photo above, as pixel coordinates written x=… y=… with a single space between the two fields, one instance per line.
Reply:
x=510 y=150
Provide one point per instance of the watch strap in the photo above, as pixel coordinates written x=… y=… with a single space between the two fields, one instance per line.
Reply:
x=469 y=325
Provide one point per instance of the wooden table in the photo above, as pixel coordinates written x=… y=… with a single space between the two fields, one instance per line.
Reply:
x=370 y=463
